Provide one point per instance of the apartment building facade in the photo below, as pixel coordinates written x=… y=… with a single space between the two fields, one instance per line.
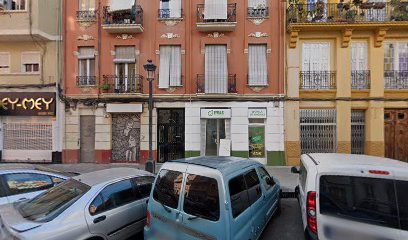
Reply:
x=30 y=117
x=218 y=88
x=347 y=78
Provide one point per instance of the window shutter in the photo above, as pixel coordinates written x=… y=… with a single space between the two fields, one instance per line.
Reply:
x=175 y=66
x=316 y=57
x=403 y=56
x=175 y=8
x=4 y=62
x=125 y=55
x=258 y=66
x=216 y=69
x=359 y=56
x=164 y=68
x=30 y=58
x=215 y=9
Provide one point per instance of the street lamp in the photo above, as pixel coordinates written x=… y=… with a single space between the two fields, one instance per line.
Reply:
x=150 y=68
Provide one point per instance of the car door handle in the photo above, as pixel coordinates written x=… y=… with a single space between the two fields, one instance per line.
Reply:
x=21 y=199
x=99 y=219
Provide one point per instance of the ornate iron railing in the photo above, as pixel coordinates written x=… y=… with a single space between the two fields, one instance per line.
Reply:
x=396 y=79
x=123 y=84
x=86 y=15
x=86 y=80
x=317 y=80
x=258 y=12
x=360 y=79
x=231 y=14
x=229 y=87
x=170 y=13
x=126 y=16
x=321 y=12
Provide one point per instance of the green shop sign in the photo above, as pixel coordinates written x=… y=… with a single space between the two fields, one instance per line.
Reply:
x=215 y=113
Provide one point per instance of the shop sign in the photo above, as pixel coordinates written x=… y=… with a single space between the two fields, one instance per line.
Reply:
x=257 y=113
x=215 y=113
x=27 y=104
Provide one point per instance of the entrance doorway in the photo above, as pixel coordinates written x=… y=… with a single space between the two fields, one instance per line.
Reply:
x=215 y=131
x=396 y=134
x=170 y=134
x=87 y=126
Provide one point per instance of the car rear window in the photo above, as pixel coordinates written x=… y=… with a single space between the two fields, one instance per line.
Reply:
x=168 y=187
x=361 y=199
x=201 y=197
x=50 y=204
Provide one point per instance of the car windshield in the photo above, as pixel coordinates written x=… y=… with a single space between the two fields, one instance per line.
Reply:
x=50 y=204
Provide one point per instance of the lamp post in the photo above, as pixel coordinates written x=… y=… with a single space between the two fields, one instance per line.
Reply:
x=150 y=69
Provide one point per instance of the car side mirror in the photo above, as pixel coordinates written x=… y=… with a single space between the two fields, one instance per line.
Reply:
x=270 y=181
x=294 y=170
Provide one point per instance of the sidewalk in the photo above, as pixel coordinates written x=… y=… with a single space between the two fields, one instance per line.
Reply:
x=287 y=180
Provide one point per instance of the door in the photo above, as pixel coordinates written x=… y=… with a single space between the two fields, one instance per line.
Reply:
x=117 y=211
x=126 y=77
x=87 y=135
x=170 y=134
x=256 y=201
x=215 y=130
x=270 y=201
x=126 y=137
x=396 y=134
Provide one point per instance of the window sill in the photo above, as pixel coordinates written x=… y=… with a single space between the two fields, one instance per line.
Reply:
x=20 y=74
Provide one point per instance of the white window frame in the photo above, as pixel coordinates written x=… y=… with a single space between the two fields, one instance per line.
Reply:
x=396 y=51
x=88 y=59
x=23 y=63
x=6 y=67
x=7 y=7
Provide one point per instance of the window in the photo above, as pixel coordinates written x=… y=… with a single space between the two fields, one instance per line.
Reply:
x=201 y=197
x=216 y=69
x=253 y=186
x=20 y=183
x=402 y=195
x=96 y=206
x=256 y=135
x=86 y=61
x=367 y=200
x=87 y=5
x=257 y=65
x=170 y=9
x=316 y=66
x=118 y=194
x=396 y=65
x=52 y=203
x=125 y=61
x=168 y=187
x=215 y=9
x=4 y=63
x=144 y=185
x=239 y=195
x=170 y=66
x=30 y=62
x=302 y=175
x=14 y=5
x=359 y=65
x=257 y=8
x=268 y=184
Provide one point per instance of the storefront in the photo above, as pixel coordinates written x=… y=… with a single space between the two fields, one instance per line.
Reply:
x=28 y=127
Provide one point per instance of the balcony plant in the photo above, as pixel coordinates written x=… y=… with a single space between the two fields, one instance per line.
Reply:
x=105 y=87
x=399 y=10
x=317 y=13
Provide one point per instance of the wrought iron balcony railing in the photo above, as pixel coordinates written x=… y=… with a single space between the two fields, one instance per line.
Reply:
x=343 y=12
x=360 y=79
x=231 y=14
x=123 y=84
x=258 y=12
x=86 y=15
x=86 y=80
x=126 y=16
x=170 y=13
x=396 y=79
x=316 y=80
x=228 y=86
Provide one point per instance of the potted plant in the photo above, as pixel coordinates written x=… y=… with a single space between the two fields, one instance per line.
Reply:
x=105 y=87
x=351 y=15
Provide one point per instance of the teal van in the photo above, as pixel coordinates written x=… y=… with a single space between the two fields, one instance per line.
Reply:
x=211 y=198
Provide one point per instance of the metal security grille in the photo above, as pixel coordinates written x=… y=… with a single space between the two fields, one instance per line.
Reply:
x=27 y=136
x=318 y=131
x=357 y=131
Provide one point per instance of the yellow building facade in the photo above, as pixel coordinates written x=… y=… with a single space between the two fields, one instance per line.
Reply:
x=347 y=78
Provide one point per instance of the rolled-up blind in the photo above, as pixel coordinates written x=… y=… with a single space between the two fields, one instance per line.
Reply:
x=215 y=9
x=125 y=54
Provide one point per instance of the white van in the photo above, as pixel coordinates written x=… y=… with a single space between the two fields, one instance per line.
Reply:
x=353 y=197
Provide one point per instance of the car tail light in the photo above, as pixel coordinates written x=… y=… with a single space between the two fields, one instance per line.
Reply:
x=379 y=172
x=311 y=212
x=148 y=222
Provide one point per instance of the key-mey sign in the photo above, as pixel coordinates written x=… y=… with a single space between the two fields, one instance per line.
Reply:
x=27 y=104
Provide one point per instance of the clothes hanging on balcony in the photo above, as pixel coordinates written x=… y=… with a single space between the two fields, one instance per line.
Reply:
x=257 y=65
x=116 y=5
x=215 y=9
x=216 y=69
x=170 y=66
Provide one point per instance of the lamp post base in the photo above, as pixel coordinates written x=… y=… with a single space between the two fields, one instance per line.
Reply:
x=150 y=166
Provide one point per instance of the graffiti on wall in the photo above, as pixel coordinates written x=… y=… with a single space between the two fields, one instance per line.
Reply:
x=126 y=137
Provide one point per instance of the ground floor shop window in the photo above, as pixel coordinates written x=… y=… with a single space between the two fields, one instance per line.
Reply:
x=215 y=131
x=256 y=138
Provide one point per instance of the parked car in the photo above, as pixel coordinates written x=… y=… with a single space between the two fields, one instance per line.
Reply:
x=211 y=198
x=22 y=184
x=353 y=197
x=102 y=205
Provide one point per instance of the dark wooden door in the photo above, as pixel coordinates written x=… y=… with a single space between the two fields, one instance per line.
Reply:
x=87 y=127
x=396 y=134
x=170 y=134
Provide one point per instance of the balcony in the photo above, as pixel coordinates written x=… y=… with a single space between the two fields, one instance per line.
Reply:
x=170 y=14
x=360 y=80
x=217 y=25
x=123 y=21
x=86 y=16
x=317 y=80
x=229 y=85
x=395 y=80
x=123 y=84
x=84 y=81
x=258 y=12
